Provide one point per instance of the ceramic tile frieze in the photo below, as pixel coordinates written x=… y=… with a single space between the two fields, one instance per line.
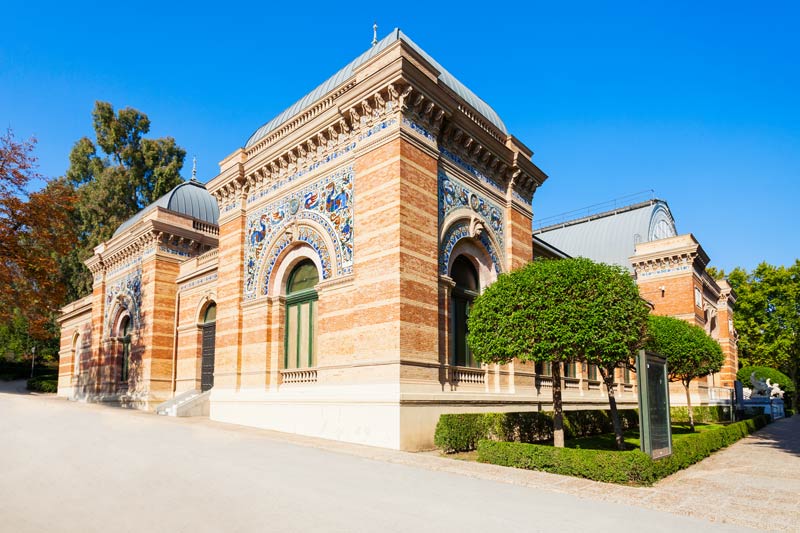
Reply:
x=328 y=203
x=128 y=292
x=455 y=196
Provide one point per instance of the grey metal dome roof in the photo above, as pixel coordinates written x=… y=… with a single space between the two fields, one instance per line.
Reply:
x=189 y=198
x=347 y=72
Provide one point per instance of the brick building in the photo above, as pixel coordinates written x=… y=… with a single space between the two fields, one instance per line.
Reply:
x=320 y=283
x=670 y=270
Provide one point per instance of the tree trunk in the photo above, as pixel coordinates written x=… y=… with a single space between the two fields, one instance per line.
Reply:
x=608 y=379
x=689 y=405
x=558 y=411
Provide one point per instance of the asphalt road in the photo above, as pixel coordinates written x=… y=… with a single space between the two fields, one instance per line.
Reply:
x=67 y=466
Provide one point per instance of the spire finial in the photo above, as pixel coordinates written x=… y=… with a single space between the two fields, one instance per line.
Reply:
x=194 y=168
x=374 y=34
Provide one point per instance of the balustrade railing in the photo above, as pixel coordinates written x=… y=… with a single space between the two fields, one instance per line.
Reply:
x=460 y=374
x=544 y=382
x=299 y=375
x=572 y=383
x=205 y=228
x=207 y=257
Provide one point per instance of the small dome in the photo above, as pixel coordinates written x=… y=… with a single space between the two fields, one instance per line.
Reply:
x=189 y=198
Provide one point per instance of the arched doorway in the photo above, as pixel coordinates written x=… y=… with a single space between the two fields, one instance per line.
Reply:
x=301 y=310
x=209 y=334
x=466 y=289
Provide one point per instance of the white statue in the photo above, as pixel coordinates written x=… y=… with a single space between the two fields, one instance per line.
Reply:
x=747 y=392
x=775 y=390
x=760 y=387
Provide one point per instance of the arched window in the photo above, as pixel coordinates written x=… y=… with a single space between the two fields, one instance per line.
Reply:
x=464 y=293
x=76 y=355
x=207 y=355
x=301 y=311
x=211 y=314
x=125 y=334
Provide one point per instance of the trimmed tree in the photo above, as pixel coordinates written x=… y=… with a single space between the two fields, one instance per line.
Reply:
x=557 y=312
x=764 y=372
x=691 y=353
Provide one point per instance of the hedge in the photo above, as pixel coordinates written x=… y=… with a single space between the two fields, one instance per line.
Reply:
x=43 y=384
x=461 y=432
x=788 y=412
x=628 y=467
x=702 y=413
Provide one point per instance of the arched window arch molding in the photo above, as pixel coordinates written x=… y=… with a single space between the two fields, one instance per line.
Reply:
x=76 y=353
x=476 y=254
x=475 y=230
x=123 y=305
x=306 y=236
x=200 y=312
x=287 y=260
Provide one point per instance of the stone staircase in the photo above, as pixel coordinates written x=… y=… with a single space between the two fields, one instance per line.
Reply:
x=189 y=403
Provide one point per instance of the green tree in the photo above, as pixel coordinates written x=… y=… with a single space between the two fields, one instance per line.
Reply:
x=115 y=177
x=767 y=317
x=715 y=273
x=764 y=372
x=561 y=311
x=691 y=353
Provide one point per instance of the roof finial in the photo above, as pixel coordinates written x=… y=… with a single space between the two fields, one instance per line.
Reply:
x=194 y=168
x=374 y=34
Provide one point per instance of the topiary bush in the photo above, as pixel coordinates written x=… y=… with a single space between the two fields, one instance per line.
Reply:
x=629 y=467
x=703 y=413
x=763 y=372
x=460 y=432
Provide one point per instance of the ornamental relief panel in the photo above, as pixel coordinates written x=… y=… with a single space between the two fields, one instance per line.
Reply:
x=127 y=293
x=326 y=204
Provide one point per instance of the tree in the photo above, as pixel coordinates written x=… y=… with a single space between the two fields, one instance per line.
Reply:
x=34 y=229
x=715 y=273
x=767 y=317
x=127 y=174
x=691 y=353
x=561 y=311
x=764 y=372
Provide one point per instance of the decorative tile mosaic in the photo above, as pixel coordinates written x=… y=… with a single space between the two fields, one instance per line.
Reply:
x=124 y=266
x=456 y=233
x=419 y=130
x=199 y=281
x=377 y=129
x=279 y=184
x=130 y=289
x=455 y=195
x=329 y=203
x=455 y=158
x=174 y=251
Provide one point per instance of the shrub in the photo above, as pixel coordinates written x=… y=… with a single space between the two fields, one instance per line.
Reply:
x=788 y=412
x=599 y=465
x=461 y=432
x=704 y=413
x=628 y=467
x=763 y=372
x=43 y=384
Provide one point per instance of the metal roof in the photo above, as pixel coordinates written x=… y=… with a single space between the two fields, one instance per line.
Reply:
x=611 y=237
x=189 y=198
x=346 y=73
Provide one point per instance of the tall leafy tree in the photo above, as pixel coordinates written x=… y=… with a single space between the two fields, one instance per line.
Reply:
x=561 y=311
x=115 y=176
x=767 y=317
x=691 y=353
x=35 y=227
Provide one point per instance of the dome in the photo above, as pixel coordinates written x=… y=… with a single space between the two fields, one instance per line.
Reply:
x=189 y=198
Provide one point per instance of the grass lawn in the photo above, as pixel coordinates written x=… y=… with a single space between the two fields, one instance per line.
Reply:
x=606 y=440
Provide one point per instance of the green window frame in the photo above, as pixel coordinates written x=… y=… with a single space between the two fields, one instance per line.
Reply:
x=592 y=371
x=463 y=295
x=570 y=370
x=301 y=309
x=125 y=329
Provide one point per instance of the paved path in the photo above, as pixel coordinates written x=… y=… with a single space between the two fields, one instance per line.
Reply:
x=75 y=467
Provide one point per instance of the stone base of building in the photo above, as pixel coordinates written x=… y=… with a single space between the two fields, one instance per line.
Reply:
x=380 y=416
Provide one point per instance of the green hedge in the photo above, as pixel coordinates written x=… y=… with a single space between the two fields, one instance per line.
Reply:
x=703 y=414
x=629 y=467
x=43 y=384
x=788 y=412
x=461 y=432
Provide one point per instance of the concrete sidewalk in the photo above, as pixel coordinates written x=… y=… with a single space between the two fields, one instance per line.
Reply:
x=80 y=448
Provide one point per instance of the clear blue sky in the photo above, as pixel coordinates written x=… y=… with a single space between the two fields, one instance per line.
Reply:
x=697 y=100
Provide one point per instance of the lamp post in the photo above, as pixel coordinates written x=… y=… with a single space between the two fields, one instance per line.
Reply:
x=33 y=358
